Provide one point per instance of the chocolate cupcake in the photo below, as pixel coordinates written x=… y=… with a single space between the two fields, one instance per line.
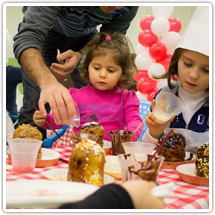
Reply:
x=173 y=149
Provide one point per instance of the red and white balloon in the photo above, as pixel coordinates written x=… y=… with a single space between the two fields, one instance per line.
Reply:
x=157 y=42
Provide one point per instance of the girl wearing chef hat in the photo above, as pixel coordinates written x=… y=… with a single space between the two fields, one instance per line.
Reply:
x=189 y=68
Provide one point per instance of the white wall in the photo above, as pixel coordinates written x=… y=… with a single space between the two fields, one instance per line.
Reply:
x=14 y=16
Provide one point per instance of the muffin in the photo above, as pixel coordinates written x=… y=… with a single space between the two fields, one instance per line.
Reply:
x=86 y=163
x=202 y=160
x=96 y=129
x=173 y=149
x=29 y=132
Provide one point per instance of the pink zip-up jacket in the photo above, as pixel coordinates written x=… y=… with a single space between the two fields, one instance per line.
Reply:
x=115 y=109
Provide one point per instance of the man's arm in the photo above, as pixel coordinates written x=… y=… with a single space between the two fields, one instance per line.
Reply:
x=52 y=91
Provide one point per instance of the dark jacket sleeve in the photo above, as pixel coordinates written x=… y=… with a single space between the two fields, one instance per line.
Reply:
x=111 y=196
x=33 y=29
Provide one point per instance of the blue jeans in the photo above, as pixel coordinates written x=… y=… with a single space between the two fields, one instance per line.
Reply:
x=53 y=41
x=13 y=78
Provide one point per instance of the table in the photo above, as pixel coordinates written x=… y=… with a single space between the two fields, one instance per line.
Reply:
x=186 y=196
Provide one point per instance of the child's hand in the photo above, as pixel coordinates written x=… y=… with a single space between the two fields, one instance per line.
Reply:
x=39 y=119
x=156 y=129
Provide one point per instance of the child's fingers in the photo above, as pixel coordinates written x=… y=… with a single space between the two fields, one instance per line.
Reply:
x=40 y=122
x=150 y=119
x=38 y=115
x=153 y=104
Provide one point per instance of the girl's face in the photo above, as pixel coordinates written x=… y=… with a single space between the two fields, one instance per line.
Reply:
x=104 y=73
x=193 y=71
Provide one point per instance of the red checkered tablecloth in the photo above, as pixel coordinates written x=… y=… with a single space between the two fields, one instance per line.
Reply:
x=186 y=196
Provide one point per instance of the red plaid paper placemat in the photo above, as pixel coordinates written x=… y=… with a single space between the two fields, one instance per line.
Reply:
x=65 y=152
x=35 y=175
x=186 y=196
x=65 y=139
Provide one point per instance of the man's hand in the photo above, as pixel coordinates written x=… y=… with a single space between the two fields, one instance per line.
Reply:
x=60 y=101
x=61 y=70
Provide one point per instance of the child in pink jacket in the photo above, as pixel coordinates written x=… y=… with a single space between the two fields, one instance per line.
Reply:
x=109 y=68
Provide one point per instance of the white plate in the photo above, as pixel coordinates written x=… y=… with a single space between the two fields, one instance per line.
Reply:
x=45 y=193
x=49 y=158
x=61 y=175
x=112 y=166
x=173 y=165
x=187 y=173
x=106 y=144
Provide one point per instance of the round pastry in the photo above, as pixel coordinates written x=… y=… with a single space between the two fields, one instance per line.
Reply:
x=29 y=132
x=86 y=163
x=96 y=129
x=173 y=149
x=202 y=160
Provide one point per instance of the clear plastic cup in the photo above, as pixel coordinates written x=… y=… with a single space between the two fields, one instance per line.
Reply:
x=24 y=154
x=75 y=121
x=167 y=105
x=139 y=169
x=138 y=147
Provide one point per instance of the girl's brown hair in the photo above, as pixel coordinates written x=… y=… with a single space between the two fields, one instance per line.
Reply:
x=119 y=47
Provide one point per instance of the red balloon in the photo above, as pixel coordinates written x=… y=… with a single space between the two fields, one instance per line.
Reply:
x=146 y=22
x=140 y=74
x=146 y=85
x=143 y=72
x=175 y=24
x=151 y=95
x=147 y=38
x=166 y=61
x=158 y=51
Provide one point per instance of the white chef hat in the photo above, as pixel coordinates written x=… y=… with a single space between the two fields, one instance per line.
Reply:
x=196 y=36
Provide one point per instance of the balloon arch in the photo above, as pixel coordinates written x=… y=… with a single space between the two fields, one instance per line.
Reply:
x=157 y=42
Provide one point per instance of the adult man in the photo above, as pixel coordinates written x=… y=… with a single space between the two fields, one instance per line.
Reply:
x=46 y=29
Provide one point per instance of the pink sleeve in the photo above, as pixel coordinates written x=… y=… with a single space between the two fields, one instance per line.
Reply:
x=132 y=113
x=50 y=117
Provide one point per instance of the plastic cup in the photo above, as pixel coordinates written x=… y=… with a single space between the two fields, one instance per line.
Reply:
x=139 y=169
x=167 y=105
x=138 y=147
x=117 y=138
x=24 y=154
x=75 y=121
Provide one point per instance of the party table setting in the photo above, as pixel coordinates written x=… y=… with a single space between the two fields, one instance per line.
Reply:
x=77 y=164
x=48 y=187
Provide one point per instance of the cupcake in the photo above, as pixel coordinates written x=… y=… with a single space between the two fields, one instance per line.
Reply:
x=96 y=129
x=173 y=149
x=202 y=160
x=86 y=163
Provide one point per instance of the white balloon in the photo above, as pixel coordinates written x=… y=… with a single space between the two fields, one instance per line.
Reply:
x=170 y=40
x=144 y=61
x=141 y=49
x=161 y=83
x=160 y=26
x=162 y=11
x=156 y=69
x=141 y=96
